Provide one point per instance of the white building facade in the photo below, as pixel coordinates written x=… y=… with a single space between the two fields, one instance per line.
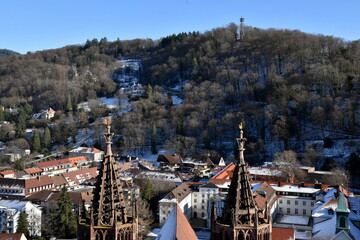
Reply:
x=10 y=212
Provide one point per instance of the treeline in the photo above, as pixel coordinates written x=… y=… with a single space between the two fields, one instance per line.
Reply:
x=277 y=81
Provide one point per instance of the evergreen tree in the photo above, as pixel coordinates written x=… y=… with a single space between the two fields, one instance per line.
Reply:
x=19 y=164
x=66 y=224
x=2 y=114
x=69 y=104
x=154 y=141
x=22 y=224
x=148 y=191
x=47 y=138
x=36 y=143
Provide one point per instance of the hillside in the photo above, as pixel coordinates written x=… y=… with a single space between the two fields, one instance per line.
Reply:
x=6 y=52
x=293 y=90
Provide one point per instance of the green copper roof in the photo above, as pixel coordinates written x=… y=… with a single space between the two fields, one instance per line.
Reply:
x=342 y=204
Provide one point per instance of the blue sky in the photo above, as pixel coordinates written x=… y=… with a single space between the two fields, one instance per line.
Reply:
x=32 y=25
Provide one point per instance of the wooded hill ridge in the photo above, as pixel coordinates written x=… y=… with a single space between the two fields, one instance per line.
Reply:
x=276 y=81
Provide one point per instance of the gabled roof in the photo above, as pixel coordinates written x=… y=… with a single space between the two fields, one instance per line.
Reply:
x=209 y=185
x=198 y=160
x=54 y=163
x=80 y=175
x=7 y=172
x=180 y=192
x=33 y=170
x=177 y=227
x=42 y=195
x=169 y=158
x=74 y=160
x=12 y=236
x=37 y=182
x=59 y=180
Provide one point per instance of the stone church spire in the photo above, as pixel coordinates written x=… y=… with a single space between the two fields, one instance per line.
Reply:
x=240 y=207
x=240 y=218
x=108 y=218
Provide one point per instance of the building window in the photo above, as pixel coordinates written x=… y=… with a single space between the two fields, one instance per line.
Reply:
x=280 y=210
x=202 y=207
x=203 y=201
x=280 y=201
x=296 y=211
x=195 y=200
x=296 y=202
x=312 y=204
x=288 y=210
x=304 y=203
x=195 y=206
x=288 y=202
x=342 y=222
x=304 y=211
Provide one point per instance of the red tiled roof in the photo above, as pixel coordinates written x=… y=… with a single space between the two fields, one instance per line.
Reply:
x=260 y=200
x=82 y=175
x=170 y=158
x=54 y=163
x=283 y=234
x=37 y=182
x=11 y=236
x=95 y=150
x=59 y=180
x=124 y=166
x=7 y=172
x=42 y=195
x=50 y=110
x=183 y=229
x=33 y=170
x=74 y=160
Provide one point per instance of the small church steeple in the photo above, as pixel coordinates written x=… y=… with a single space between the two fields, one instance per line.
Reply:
x=342 y=215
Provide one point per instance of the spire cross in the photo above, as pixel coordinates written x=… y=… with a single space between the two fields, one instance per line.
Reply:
x=241 y=142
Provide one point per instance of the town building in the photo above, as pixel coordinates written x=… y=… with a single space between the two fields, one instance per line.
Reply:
x=108 y=218
x=56 y=166
x=10 y=212
x=92 y=154
x=48 y=114
x=181 y=197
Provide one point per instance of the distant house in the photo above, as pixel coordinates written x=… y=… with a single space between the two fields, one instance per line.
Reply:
x=93 y=154
x=169 y=161
x=48 y=114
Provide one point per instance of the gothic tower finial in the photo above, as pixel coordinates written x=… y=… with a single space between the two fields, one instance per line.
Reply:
x=241 y=143
x=108 y=136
